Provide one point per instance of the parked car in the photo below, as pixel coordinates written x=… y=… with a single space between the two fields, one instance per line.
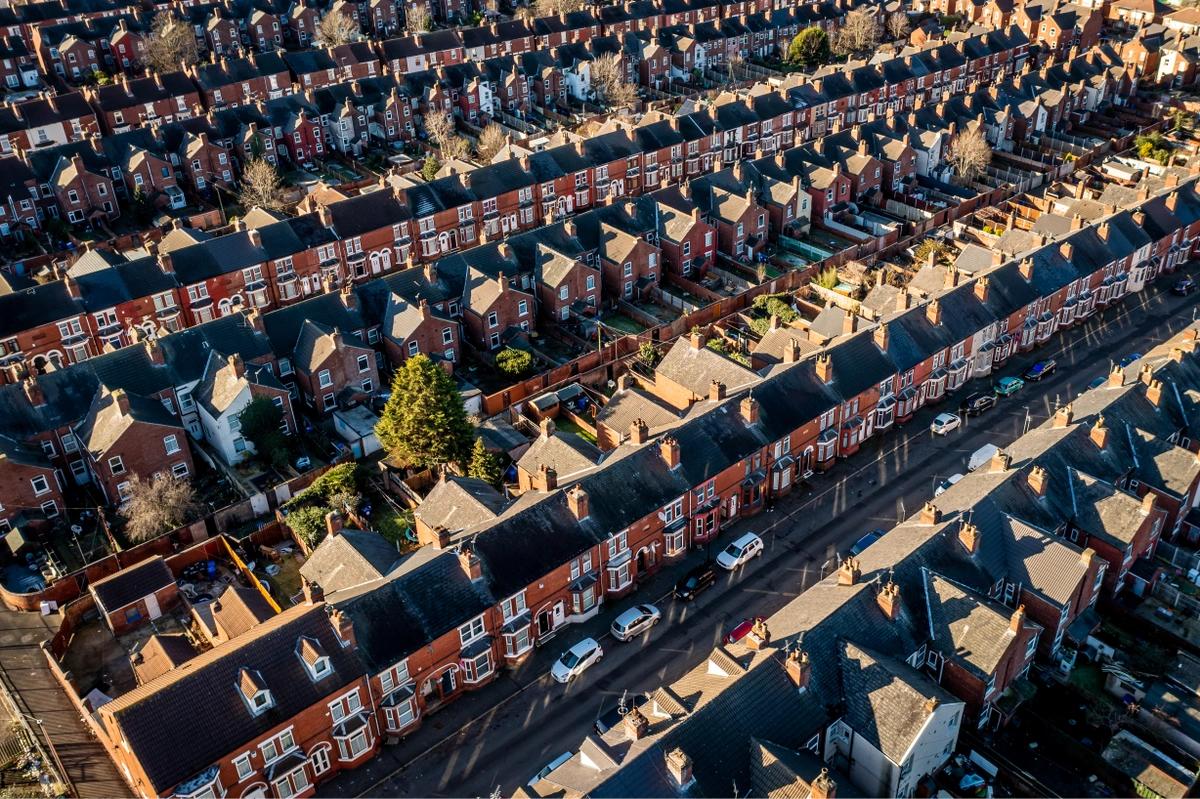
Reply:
x=740 y=551
x=945 y=485
x=945 y=423
x=1184 y=287
x=1098 y=381
x=976 y=404
x=1040 y=369
x=741 y=630
x=549 y=767
x=612 y=718
x=982 y=457
x=861 y=544
x=635 y=621
x=1130 y=358
x=576 y=660
x=696 y=581
x=1007 y=386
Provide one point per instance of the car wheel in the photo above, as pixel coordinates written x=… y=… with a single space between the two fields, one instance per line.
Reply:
x=599 y=658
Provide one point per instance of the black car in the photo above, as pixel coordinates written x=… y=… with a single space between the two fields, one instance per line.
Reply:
x=697 y=580
x=977 y=404
x=1184 y=287
x=1040 y=369
x=613 y=717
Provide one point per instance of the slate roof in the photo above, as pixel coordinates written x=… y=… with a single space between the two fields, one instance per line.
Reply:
x=457 y=503
x=349 y=559
x=567 y=453
x=695 y=368
x=208 y=714
x=132 y=583
x=238 y=610
x=967 y=627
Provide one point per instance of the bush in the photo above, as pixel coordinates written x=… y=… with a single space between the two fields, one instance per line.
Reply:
x=514 y=362
x=341 y=479
x=308 y=523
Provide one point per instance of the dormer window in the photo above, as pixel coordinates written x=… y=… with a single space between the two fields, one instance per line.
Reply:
x=316 y=662
x=254 y=691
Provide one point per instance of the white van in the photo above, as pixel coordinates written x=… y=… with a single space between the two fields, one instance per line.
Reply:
x=982 y=457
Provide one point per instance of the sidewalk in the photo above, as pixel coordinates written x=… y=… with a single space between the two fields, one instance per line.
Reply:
x=27 y=675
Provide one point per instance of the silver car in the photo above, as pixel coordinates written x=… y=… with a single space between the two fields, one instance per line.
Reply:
x=635 y=621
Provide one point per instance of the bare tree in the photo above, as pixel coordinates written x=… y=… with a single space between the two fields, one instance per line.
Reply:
x=491 y=141
x=969 y=153
x=261 y=186
x=157 y=506
x=860 y=32
x=608 y=80
x=419 y=20
x=440 y=128
x=170 y=45
x=526 y=13
x=897 y=25
x=336 y=28
x=552 y=8
x=733 y=66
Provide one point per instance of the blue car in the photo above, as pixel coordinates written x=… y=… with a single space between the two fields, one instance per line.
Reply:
x=1007 y=386
x=1039 y=370
x=1098 y=381
x=866 y=541
x=1130 y=358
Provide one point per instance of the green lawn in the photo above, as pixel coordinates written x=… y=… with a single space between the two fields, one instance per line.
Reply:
x=570 y=426
x=623 y=323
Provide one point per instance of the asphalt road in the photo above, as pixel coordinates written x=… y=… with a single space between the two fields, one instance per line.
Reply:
x=525 y=719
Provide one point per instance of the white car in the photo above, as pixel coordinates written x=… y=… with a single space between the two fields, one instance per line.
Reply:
x=576 y=660
x=945 y=423
x=635 y=621
x=945 y=485
x=740 y=551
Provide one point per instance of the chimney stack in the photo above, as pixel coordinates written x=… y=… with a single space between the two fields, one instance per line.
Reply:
x=1099 y=434
x=849 y=573
x=716 y=391
x=547 y=478
x=968 y=536
x=981 y=288
x=1037 y=480
x=1026 y=268
x=881 y=336
x=471 y=564
x=344 y=627
x=748 y=408
x=237 y=365
x=333 y=523
x=1017 y=622
x=798 y=668
x=668 y=449
x=823 y=787
x=824 y=368
x=679 y=766
x=1063 y=416
x=636 y=725
x=1116 y=377
x=638 y=431
x=546 y=427
x=577 y=501
x=791 y=351
x=933 y=311
x=1000 y=462
x=930 y=513
x=1154 y=393
x=698 y=339
x=889 y=600
x=1149 y=501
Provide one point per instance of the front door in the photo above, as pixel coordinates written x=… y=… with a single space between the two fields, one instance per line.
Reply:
x=545 y=623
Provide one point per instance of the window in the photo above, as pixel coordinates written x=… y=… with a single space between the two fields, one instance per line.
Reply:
x=477 y=668
x=355 y=745
x=513 y=606
x=413 y=348
x=242 y=764
x=124 y=492
x=471 y=630
x=591 y=282
x=116 y=465
x=1031 y=647
x=447 y=335
x=522 y=308
x=179 y=470
x=292 y=783
x=273 y=748
x=171 y=444
x=69 y=443
x=328 y=402
x=320 y=761
x=493 y=320
x=563 y=292
x=48 y=448
x=49 y=509
x=345 y=706
x=364 y=363
x=674 y=542
x=324 y=379
x=617 y=544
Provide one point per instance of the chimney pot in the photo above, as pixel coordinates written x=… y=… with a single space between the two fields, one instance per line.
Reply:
x=1063 y=416
x=546 y=427
x=1017 y=622
x=889 y=600
x=798 y=668
x=748 y=409
x=1037 y=480
x=1099 y=434
x=1149 y=501
x=669 y=450
x=1154 y=393
x=577 y=501
x=638 y=432
x=716 y=391
x=824 y=368
x=849 y=572
x=930 y=513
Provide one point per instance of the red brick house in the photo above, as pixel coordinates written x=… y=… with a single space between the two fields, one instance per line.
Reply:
x=330 y=364
x=565 y=285
x=83 y=195
x=286 y=723
x=29 y=484
x=410 y=329
x=125 y=435
x=492 y=308
x=132 y=103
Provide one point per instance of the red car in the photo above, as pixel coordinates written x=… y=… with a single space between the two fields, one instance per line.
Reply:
x=742 y=629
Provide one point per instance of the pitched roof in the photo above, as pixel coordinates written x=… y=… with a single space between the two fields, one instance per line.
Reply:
x=457 y=503
x=204 y=702
x=349 y=559
x=697 y=368
x=132 y=583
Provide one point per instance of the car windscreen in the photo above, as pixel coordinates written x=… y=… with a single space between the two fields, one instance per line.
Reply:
x=569 y=659
x=733 y=549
